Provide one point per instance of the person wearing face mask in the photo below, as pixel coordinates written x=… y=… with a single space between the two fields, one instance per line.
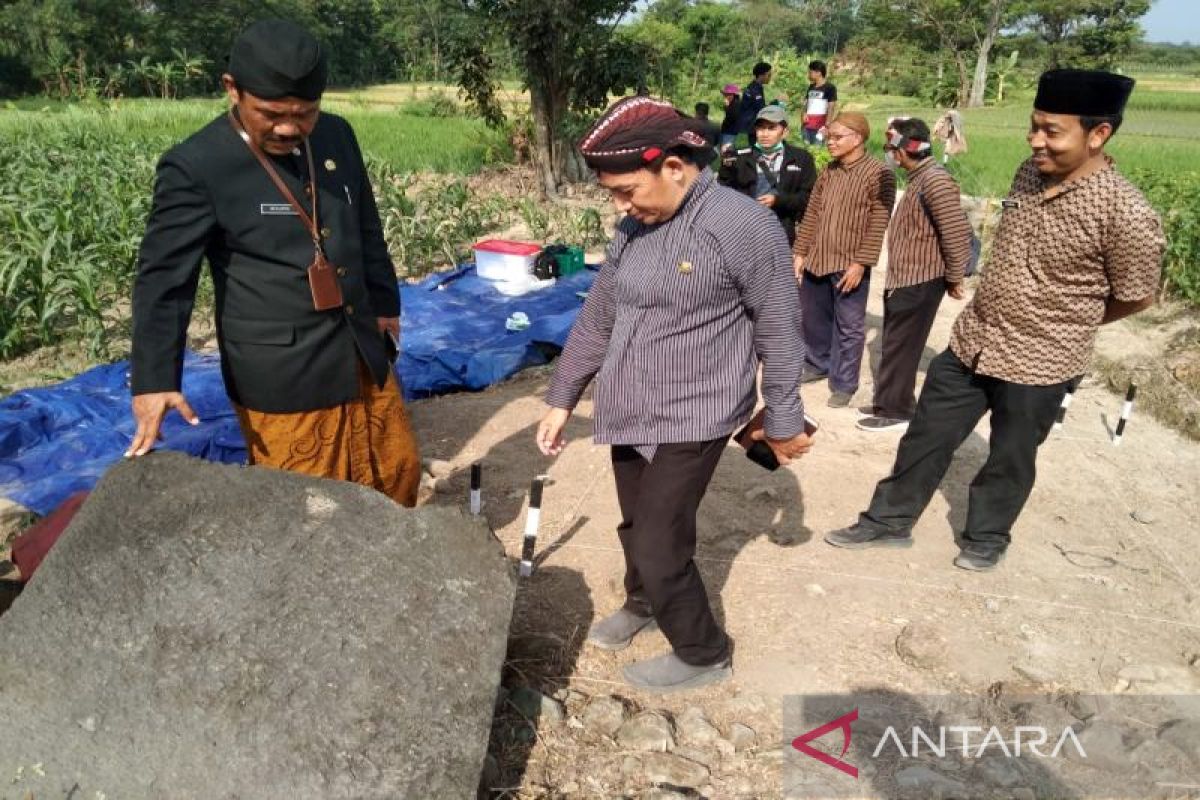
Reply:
x=773 y=172
x=1077 y=247
x=695 y=293
x=929 y=244
x=838 y=242
x=275 y=195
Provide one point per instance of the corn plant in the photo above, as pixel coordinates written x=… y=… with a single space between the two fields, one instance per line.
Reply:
x=73 y=205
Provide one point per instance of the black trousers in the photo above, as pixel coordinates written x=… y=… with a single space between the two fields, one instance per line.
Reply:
x=953 y=400
x=658 y=535
x=908 y=315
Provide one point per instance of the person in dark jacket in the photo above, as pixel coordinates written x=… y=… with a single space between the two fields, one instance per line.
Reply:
x=732 y=96
x=773 y=172
x=308 y=315
x=754 y=99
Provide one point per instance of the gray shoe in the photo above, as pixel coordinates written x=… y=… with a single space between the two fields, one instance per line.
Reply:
x=976 y=561
x=876 y=424
x=839 y=399
x=858 y=537
x=809 y=376
x=668 y=673
x=617 y=630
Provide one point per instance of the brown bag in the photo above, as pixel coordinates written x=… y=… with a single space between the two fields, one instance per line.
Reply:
x=322 y=275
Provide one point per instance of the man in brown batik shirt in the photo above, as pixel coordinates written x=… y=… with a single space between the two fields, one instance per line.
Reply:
x=1077 y=247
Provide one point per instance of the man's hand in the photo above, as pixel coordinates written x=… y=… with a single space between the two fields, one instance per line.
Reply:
x=768 y=200
x=955 y=290
x=389 y=325
x=549 y=432
x=148 y=411
x=785 y=449
x=851 y=278
x=1116 y=309
x=798 y=266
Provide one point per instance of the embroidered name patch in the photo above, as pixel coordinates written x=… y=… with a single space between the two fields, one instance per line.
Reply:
x=1010 y=204
x=276 y=210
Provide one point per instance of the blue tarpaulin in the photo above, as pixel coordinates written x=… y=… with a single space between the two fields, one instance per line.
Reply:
x=57 y=440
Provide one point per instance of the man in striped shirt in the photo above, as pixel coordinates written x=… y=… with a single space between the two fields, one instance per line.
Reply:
x=1077 y=247
x=929 y=244
x=838 y=243
x=696 y=291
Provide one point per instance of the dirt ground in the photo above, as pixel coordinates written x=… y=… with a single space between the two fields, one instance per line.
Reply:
x=1100 y=584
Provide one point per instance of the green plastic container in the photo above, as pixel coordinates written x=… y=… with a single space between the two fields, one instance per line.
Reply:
x=570 y=261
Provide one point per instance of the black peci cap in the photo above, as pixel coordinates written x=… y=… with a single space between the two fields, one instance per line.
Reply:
x=1083 y=92
x=274 y=58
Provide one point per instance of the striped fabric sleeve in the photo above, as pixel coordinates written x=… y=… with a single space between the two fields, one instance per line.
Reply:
x=584 y=352
x=951 y=224
x=806 y=236
x=761 y=265
x=883 y=198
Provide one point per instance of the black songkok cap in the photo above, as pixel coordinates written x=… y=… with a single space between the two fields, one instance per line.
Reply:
x=274 y=58
x=636 y=132
x=1083 y=92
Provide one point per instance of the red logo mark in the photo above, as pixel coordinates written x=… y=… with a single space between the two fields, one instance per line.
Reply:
x=843 y=723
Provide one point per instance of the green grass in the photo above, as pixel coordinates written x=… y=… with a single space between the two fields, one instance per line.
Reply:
x=408 y=143
x=1158 y=140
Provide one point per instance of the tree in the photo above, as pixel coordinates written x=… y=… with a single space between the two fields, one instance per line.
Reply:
x=566 y=58
x=828 y=25
x=983 y=52
x=963 y=30
x=664 y=46
x=1085 y=33
x=769 y=24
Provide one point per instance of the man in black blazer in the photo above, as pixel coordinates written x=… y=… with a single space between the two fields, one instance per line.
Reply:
x=309 y=376
x=772 y=171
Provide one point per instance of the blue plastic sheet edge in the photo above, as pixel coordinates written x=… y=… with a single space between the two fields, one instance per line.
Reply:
x=57 y=440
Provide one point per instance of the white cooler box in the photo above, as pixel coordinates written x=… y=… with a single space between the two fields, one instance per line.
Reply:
x=509 y=265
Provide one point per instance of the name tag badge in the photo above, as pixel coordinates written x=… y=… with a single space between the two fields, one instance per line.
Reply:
x=276 y=210
x=1007 y=204
x=793 y=167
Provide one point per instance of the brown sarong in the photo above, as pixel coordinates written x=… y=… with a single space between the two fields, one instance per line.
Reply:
x=367 y=440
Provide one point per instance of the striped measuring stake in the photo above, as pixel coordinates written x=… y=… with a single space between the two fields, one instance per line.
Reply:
x=1062 y=408
x=532 y=519
x=476 y=482
x=1126 y=412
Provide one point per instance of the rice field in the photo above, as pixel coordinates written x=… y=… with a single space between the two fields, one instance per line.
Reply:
x=75 y=185
x=406 y=142
x=1159 y=134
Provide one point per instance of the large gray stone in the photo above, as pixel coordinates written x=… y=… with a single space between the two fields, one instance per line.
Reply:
x=216 y=632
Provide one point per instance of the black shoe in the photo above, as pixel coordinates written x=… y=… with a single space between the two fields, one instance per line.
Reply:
x=808 y=376
x=882 y=424
x=978 y=561
x=839 y=399
x=857 y=537
x=866 y=411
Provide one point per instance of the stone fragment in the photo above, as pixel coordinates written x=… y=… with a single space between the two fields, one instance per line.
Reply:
x=648 y=731
x=182 y=612
x=673 y=770
x=604 y=715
